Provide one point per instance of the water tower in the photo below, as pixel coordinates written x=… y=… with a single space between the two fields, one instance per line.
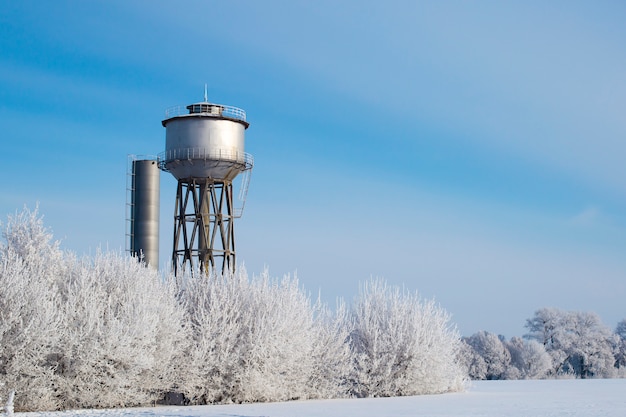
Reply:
x=204 y=151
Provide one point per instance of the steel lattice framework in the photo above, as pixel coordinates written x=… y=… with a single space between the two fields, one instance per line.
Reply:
x=204 y=236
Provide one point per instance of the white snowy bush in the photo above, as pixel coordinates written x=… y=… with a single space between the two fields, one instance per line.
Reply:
x=472 y=362
x=30 y=267
x=121 y=334
x=402 y=345
x=330 y=353
x=495 y=359
x=529 y=359
x=81 y=333
x=620 y=349
x=255 y=340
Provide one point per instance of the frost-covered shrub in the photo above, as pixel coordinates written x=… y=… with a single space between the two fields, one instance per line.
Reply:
x=493 y=352
x=81 y=333
x=252 y=340
x=30 y=323
x=620 y=349
x=529 y=359
x=121 y=334
x=402 y=345
x=330 y=353
x=473 y=363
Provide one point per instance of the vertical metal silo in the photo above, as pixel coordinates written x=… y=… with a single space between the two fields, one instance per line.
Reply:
x=204 y=151
x=144 y=210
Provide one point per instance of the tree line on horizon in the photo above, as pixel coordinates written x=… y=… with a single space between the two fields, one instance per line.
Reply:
x=559 y=344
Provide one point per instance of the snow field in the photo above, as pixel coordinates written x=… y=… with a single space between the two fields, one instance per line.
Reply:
x=524 y=398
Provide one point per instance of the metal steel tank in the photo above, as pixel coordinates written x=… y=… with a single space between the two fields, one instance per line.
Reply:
x=144 y=216
x=205 y=142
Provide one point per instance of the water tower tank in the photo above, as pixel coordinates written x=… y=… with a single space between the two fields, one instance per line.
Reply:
x=205 y=142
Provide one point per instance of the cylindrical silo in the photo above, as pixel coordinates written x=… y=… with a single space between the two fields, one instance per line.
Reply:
x=144 y=220
x=204 y=151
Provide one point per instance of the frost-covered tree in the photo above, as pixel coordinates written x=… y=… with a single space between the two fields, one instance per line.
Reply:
x=122 y=334
x=30 y=323
x=488 y=356
x=81 y=333
x=578 y=342
x=402 y=345
x=330 y=352
x=279 y=360
x=620 y=349
x=26 y=236
x=620 y=329
x=529 y=359
x=252 y=340
x=493 y=352
x=474 y=364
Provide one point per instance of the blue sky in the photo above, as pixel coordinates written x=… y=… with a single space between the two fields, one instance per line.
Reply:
x=472 y=151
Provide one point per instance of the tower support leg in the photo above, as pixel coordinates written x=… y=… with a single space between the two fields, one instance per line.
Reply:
x=204 y=237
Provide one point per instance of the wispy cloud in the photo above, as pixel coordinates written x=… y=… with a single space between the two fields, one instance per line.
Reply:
x=589 y=216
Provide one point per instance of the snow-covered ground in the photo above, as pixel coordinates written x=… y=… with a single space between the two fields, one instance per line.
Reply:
x=543 y=398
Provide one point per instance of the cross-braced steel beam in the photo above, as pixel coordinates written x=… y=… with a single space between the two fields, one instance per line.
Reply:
x=204 y=236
